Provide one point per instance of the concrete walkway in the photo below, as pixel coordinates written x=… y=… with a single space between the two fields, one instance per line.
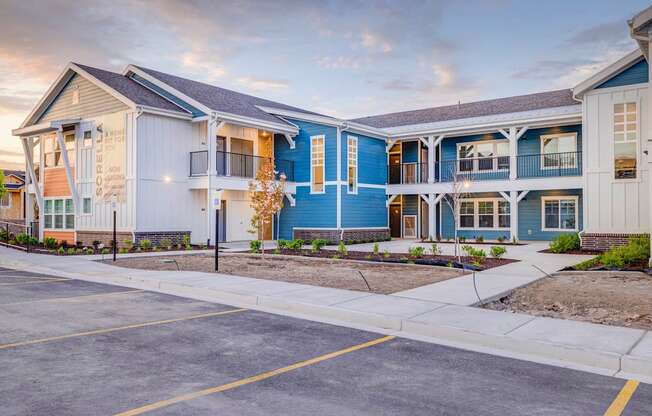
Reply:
x=603 y=349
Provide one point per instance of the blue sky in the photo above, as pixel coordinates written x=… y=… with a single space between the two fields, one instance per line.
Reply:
x=344 y=58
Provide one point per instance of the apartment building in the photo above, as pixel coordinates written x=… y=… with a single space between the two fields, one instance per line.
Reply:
x=164 y=152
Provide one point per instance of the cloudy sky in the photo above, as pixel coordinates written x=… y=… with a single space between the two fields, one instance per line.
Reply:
x=345 y=58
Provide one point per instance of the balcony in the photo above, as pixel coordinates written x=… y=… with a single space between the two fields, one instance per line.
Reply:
x=489 y=168
x=237 y=165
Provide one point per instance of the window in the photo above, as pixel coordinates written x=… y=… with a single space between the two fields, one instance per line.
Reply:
x=558 y=151
x=88 y=139
x=625 y=140
x=559 y=213
x=52 y=150
x=483 y=156
x=352 y=160
x=75 y=96
x=59 y=214
x=466 y=214
x=410 y=226
x=485 y=213
x=317 y=164
x=87 y=203
x=5 y=200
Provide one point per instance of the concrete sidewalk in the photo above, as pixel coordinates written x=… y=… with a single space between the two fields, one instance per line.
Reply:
x=603 y=349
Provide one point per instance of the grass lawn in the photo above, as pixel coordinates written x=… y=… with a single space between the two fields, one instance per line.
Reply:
x=610 y=298
x=342 y=274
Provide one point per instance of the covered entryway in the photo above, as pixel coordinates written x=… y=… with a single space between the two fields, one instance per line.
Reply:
x=395 y=220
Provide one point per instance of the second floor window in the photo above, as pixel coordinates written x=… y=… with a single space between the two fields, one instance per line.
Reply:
x=558 y=151
x=625 y=140
x=317 y=168
x=352 y=160
x=483 y=156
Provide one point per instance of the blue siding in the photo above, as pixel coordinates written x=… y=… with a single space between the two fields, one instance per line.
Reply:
x=449 y=155
x=372 y=159
x=193 y=110
x=410 y=152
x=636 y=74
x=311 y=210
x=529 y=221
x=530 y=144
x=366 y=209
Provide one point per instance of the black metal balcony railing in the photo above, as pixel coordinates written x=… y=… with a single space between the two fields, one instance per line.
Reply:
x=489 y=168
x=406 y=173
x=549 y=165
x=237 y=164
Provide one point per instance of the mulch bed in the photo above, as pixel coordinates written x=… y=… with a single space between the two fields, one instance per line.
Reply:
x=641 y=266
x=581 y=252
x=472 y=241
x=429 y=260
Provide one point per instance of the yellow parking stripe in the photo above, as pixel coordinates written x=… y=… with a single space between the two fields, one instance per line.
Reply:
x=53 y=280
x=96 y=295
x=620 y=402
x=119 y=328
x=253 y=379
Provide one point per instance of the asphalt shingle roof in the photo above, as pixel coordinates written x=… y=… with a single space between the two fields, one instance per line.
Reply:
x=131 y=89
x=515 y=104
x=18 y=173
x=221 y=99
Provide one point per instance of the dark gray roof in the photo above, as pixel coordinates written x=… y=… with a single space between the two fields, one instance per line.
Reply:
x=528 y=102
x=221 y=99
x=18 y=173
x=131 y=89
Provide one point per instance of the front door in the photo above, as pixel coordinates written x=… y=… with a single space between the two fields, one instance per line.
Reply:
x=395 y=221
x=395 y=168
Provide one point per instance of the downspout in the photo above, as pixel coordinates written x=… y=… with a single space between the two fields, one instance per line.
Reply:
x=139 y=112
x=338 y=180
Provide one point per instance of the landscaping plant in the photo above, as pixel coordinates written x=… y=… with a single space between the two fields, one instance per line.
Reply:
x=267 y=195
x=416 y=252
x=255 y=246
x=497 y=251
x=318 y=244
x=166 y=243
x=61 y=251
x=478 y=255
x=479 y=239
x=386 y=254
x=128 y=244
x=50 y=242
x=282 y=244
x=145 y=244
x=564 y=243
x=376 y=249
x=186 y=242
x=295 y=244
x=434 y=249
x=341 y=249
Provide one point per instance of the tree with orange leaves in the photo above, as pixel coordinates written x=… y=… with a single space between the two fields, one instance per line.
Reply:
x=266 y=197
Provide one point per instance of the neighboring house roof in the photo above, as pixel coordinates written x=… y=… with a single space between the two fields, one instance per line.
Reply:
x=17 y=174
x=221 y=99
x=521 y=103
x=131 y=89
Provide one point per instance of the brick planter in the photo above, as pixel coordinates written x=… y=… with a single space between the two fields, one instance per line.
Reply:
x=349 y=235
x=605 y=241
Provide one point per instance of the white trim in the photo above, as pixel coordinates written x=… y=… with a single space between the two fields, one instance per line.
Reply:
x=323 y=165
x=416 y=225
x=339 y=229
x=348 y=166
x=371 y=186
x=638 y=102
x=64 y=214
x=476 y=214
x=607 y=73
x=81 y=211
x=575 y=198
x=544 y=137
x=338 y=176
x=9 y=195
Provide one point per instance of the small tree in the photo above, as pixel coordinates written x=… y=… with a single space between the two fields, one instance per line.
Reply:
x=459 y=182
x=3 y=189
x=266 y=197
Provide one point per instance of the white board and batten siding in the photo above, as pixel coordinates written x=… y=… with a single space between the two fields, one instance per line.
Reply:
x=164 y=146
x=614 y=206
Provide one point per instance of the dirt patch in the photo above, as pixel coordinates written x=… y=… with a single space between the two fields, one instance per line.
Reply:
x=609 y=298
x=341 y=274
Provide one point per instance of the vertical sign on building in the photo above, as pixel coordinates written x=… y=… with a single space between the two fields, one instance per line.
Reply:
x=110 y=160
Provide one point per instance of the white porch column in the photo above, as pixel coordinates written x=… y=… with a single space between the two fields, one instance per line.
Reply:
x=431 y=160
x=513 y=134
x=513 y=214
x=432 y=217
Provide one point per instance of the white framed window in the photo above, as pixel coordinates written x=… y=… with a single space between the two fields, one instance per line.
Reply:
x=52 y=150
x=484 y=214
x=352 y=164
x=559 y=213
x=87 y=205
x=625 y=124
x=59 y=214
x=5 y=200
x=409 y=226
x=317 y=165
x=559 y=151
x=483 y=156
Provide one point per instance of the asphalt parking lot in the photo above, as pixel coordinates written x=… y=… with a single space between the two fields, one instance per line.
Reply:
x=70 y=347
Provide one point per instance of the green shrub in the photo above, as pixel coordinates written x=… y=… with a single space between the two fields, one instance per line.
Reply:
x=318 y=244
x=501 y=239
x=166 y=243
x=587 y=264
x=105 y=251
x=295 y=244
x=128 y=244
x=4 y=235
x=22 y=238
x=386 y=254
x=341 y=249
x=618 y=257
x=376 y=249
x=479 y=239
x=478 y=255
x=564 y=243
x=123 y=250
x=255 y=246
x=186 y=240
x=50 y=242
x=497 y=251
x=282 y=244
x=89 y=250
x=416 y=252
x=61 y=251
x=145 y=244
x=434 y=249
